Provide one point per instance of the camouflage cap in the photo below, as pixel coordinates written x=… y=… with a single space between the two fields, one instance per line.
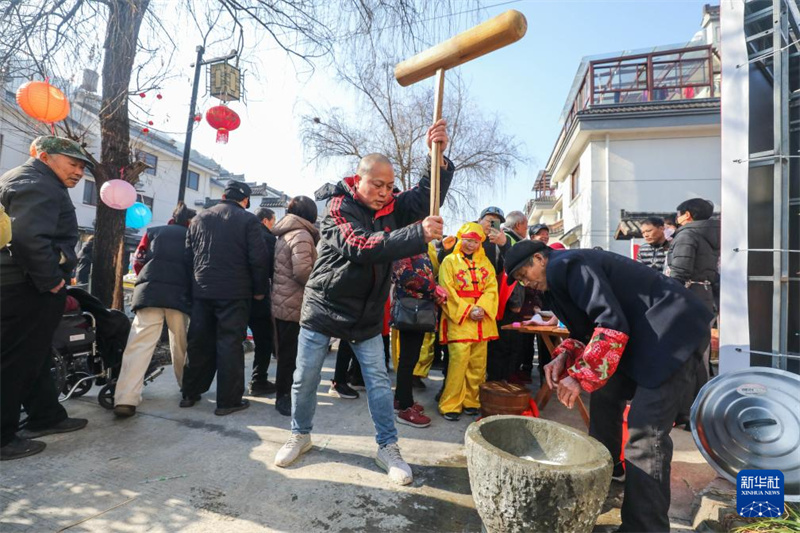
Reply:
x=62 y=145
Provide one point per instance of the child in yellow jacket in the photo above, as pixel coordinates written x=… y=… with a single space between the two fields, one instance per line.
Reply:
x=468 y=320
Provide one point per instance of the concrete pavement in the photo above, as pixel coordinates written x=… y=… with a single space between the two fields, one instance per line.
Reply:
x=170 y=469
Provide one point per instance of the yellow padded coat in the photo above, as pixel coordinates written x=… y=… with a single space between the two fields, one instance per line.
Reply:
x=469 y=283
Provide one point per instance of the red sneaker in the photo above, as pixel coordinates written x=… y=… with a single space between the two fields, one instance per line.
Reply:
x=412 y=417
x=417 y=407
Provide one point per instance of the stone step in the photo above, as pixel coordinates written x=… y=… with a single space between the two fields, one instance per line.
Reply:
x=713 y=507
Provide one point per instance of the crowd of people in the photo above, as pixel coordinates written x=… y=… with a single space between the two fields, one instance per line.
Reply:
x=375 y=262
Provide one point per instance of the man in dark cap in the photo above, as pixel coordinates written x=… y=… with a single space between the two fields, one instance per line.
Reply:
x=33 y=268
x=634 y=335
x=226 y=251
x=260 y=322
x=539 y=232
x=496 y=244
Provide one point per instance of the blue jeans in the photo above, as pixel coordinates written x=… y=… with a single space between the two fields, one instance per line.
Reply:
x=312 y=347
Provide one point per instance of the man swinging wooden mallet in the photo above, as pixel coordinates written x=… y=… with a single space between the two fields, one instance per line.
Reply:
x=495 y=33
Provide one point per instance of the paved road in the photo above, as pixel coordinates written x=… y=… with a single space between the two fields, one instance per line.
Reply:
x=170 y=469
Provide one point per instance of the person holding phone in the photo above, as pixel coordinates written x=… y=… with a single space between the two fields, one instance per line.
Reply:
x=497 y=243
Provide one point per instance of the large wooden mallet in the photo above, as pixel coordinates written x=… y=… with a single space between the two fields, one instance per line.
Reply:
x=486 y=37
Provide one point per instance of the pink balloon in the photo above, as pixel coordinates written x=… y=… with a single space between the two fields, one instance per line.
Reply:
x=118 y=194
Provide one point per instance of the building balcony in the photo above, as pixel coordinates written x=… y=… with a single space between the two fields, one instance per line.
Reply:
x=673 y=75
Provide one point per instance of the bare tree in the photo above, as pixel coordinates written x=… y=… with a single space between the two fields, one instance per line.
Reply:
x=136 y=42
x=393 y=121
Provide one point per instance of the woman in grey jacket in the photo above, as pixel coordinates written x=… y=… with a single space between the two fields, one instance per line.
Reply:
x=295 y=254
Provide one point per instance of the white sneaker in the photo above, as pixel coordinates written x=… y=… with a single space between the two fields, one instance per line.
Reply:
x=296 y=446
x=389 y=459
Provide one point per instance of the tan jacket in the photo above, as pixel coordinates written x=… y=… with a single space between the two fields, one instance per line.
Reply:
x=295 y=253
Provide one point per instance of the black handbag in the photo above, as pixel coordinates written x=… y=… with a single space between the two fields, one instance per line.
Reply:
x=413 y=314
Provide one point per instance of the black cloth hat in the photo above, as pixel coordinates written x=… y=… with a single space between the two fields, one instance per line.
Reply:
x=519 y=254
x=237 y=191
x=537 y=228
x=492 y=210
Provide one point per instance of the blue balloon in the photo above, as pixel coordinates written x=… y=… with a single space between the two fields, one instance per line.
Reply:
x=138 y=216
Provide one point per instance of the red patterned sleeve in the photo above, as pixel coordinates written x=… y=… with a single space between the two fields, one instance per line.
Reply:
x=599 y=359
x=573 y=348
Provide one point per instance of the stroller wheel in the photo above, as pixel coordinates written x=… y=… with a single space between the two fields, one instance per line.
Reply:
x=83 y=387
x=106 y=396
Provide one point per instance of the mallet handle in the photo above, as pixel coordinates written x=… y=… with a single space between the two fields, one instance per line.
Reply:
x=436 y=148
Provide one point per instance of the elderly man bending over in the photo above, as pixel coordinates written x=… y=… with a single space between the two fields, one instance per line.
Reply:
x=368 y=225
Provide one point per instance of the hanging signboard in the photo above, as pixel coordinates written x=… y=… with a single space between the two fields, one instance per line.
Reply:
x=225 y=82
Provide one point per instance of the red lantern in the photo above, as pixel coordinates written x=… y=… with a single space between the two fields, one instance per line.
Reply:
x=42 y=101
x=145 y=130
x=223 y=119
x=150 y=122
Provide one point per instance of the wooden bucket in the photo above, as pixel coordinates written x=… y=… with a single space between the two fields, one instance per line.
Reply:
x=501 y=398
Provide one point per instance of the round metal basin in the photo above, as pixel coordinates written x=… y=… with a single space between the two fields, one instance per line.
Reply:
x=529 y=474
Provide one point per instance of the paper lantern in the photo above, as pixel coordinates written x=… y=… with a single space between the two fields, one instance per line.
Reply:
x=138 y=216
x=223 y=119
x=42 y=101
x=118 y=194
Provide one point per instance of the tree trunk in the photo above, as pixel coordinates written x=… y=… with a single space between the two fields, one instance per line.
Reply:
x=122 y=33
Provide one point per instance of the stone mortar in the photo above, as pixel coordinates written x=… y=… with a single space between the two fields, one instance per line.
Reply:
x=562 y=489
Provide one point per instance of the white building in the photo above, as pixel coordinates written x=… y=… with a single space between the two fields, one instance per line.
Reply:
x=157 y=187
x=641 y=133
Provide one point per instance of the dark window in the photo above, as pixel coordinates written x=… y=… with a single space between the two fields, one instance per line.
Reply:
x=193 y=181
x=89 y=192
x=147 y=200
x=575 y=182
x=150 y=159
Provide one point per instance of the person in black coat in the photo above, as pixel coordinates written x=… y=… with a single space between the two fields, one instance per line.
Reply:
x=368 y=225
x=226 y=253
x=693 y=259
x=260 y=322
x=162 y=293
x=33 y=269
x=634 y=335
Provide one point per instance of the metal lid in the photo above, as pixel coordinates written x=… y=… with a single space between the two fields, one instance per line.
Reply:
x=751 y=419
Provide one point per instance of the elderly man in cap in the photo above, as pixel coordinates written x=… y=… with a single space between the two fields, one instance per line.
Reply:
x=228 y=257
x=635 y=335
x=539 y=232
x=33 y=269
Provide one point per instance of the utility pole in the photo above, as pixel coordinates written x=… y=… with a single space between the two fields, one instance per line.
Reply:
x=187 y=146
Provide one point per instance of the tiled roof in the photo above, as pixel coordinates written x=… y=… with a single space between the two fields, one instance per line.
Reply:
x=274 y=202
x=629 y=226
x=651 y=107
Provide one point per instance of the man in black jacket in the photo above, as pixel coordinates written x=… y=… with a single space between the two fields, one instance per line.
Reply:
x=226 y=251
x=261 y=314
x=693 y=259
x=368 y=225
x=162 y=294
x=634 y=335
x=33 y=268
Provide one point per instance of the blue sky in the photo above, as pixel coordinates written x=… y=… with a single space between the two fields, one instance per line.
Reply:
x=526 y=84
